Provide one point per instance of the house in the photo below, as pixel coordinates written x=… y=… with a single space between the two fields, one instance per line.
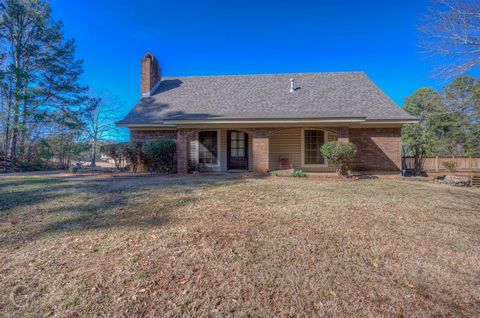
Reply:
x=267 y=122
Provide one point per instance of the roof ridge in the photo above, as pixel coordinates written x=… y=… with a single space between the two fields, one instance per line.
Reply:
x=266 y=74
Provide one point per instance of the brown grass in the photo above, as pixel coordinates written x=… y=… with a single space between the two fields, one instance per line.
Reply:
x=158 y=247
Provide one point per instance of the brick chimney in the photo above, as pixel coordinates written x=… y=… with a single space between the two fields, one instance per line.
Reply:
x=151 y=75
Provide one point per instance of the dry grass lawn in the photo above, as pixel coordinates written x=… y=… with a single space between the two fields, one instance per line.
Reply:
x=277 y=247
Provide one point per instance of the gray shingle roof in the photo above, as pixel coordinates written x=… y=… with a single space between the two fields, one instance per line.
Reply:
x=317 y=96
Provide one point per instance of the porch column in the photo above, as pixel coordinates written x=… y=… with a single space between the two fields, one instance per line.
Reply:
x=182 y=151
x=343 y=134
x=260 y=151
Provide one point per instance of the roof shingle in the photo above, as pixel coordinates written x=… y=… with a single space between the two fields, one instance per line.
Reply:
x=317 y=96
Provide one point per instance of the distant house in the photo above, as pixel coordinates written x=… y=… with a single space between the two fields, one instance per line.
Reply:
x=267 y=122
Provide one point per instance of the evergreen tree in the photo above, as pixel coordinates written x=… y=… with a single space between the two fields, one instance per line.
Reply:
x=40 y=65
x=449 y=121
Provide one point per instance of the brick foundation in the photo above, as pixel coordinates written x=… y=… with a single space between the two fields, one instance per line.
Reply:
x=378 y=149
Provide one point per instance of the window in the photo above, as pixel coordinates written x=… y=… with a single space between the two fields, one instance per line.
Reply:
x=237 y=144
x=313 y=141
x=207 y=147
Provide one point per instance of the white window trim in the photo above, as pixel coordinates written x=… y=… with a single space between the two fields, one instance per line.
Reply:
x=209 y=165
x=325 y=140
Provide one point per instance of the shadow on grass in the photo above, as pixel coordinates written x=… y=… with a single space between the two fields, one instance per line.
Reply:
x=38 y=207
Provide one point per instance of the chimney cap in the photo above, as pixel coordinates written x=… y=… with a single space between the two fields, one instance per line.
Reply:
x=149 y=55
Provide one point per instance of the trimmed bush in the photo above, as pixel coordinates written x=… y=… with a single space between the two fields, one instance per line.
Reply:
x=159 y=155
x=340 y=154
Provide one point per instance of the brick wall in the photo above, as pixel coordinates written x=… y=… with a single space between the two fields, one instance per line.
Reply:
x=140 y=135
x=150 y=74
x=378 y=149
x=260 y=150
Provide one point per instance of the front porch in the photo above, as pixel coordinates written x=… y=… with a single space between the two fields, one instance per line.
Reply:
x=255 y=149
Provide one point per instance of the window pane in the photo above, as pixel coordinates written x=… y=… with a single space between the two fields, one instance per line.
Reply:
x=207 y=151
x=241 y=152
x=314 y=139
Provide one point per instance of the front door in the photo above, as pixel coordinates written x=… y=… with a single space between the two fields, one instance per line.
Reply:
x=237 y=148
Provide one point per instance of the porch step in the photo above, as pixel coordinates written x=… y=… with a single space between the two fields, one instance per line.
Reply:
x=475 y=181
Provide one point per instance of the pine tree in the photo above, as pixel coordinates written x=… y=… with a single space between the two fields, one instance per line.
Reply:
x=41 y=65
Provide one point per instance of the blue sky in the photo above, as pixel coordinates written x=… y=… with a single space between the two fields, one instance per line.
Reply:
x=246 y=37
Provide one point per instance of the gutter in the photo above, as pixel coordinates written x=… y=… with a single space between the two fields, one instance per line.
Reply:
x=175 y=123
x=267 y=121
x=172 y=124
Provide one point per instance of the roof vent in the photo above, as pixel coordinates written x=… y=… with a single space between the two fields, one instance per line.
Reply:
x=292 y=85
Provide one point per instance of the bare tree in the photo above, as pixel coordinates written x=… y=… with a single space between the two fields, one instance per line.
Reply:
x=452 y=33
x=99 y=117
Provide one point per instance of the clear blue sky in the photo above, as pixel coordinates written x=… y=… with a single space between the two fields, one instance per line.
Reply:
x=245 y=37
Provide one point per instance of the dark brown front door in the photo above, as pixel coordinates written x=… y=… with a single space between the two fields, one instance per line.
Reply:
x=237 y=148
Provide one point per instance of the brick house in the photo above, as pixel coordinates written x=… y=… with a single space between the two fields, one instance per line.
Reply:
x=268 y=122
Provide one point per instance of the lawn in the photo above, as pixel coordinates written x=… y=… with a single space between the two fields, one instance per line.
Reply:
x=164 y=247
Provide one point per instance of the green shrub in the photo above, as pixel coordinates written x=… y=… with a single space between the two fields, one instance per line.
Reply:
x=133 y=154
x=299 y=173
x=33 y=164
x=340 y=154
x=159 y=155
x=451 y=166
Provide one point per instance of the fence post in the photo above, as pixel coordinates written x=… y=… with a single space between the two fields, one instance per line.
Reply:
x=470 y=163
x=436 y=163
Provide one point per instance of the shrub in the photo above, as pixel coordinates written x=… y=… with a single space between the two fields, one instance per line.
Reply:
x=340 y=154
x=193 y=167
x=73 y=169
x=159 y=155
x=33 y=164
x=114 y=151
x=299 y=173
x=451 y=166
x=133 y=154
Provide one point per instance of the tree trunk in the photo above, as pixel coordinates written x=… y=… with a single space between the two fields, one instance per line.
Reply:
x=23 y=133
x=13 y=148
x=94 y=153
x=7 y=136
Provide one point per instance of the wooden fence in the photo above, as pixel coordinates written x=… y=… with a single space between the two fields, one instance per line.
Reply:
x=435 y=164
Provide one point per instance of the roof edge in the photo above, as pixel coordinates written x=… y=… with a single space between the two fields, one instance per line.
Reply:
x=342 y=120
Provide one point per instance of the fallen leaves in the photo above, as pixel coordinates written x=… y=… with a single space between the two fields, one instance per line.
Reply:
x=322 y=248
